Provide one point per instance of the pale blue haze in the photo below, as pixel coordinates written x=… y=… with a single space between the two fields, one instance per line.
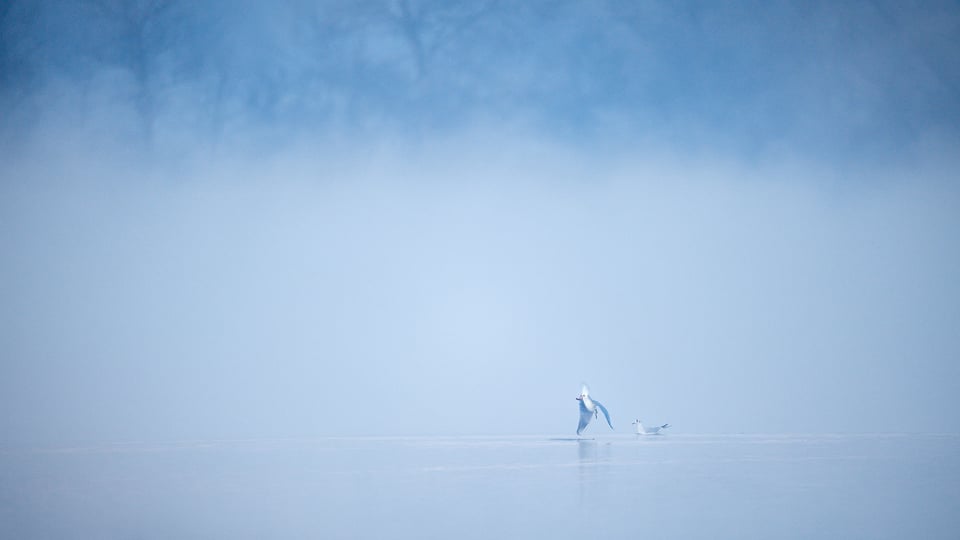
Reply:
x=307 y=268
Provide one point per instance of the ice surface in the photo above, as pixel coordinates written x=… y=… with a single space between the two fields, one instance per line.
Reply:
x=672 y=486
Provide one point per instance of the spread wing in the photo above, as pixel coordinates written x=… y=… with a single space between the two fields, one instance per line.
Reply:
x=602 y=409
x=585 y=417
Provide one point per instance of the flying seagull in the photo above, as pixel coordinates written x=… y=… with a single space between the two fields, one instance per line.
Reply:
x=588 y=409
x=649 y=431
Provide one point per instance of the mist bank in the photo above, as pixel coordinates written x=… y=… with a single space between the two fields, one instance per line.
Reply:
x=415 y=217
x=462 y=290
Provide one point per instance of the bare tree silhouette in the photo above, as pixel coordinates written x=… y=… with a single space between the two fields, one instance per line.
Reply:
x=140 y=38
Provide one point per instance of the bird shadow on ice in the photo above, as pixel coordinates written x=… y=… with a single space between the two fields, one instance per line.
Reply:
x=592 y=459
x=586 y=451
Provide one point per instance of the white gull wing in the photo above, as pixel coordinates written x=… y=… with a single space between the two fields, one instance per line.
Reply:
x=585 y=417
x=603 y=410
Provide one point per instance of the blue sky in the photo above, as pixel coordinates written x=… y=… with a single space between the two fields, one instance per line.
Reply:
x=243 y=220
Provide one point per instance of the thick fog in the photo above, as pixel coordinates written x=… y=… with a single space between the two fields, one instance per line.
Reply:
x=231 y=220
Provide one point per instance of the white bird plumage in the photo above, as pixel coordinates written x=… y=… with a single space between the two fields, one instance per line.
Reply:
x=589 y=408
x=648 y=431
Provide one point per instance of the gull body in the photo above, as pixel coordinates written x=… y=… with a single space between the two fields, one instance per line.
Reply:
x=590 y=409
x=648 y=431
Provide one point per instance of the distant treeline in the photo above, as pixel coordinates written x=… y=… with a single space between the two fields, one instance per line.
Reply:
x=863 y=75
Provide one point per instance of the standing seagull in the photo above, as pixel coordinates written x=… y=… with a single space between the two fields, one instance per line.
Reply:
x=649 y=431
x=588 y=409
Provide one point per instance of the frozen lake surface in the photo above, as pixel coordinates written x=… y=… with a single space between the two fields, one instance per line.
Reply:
x=616 y=486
